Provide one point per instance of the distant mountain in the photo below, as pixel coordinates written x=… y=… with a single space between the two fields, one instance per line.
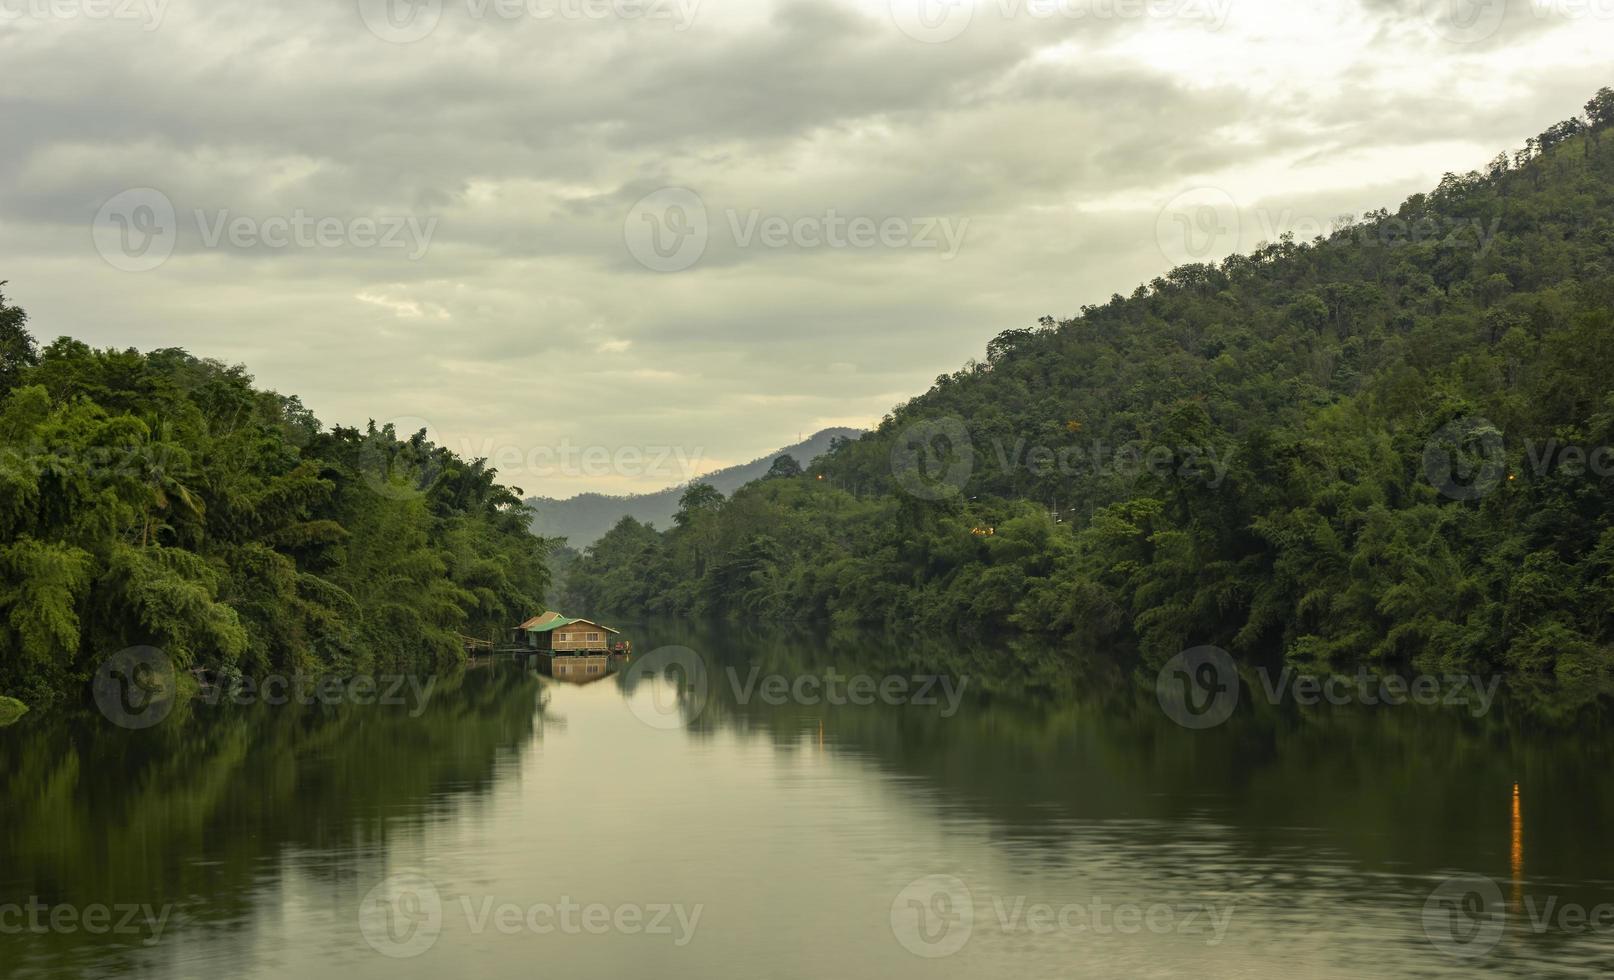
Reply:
x=583 y=519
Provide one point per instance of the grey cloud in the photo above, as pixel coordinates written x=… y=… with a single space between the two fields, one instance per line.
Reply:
x=1455 y=25
x=1058 y=139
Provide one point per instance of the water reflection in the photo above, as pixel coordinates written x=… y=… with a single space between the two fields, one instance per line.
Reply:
x=205 y=814
x=1516 y=854
x=1050 y=781
x=1323 y=817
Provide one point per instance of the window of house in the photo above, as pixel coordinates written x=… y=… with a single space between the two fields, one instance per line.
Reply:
x=594 y=636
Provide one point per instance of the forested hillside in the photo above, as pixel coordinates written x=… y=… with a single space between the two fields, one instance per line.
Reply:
x=161 y=499
x=1389 y=442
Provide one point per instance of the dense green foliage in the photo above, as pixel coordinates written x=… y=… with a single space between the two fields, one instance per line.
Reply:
x=160 y=499
x=1237 y=454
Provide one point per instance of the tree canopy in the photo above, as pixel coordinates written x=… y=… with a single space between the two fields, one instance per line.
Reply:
x=160 y=499
x=1391 y=442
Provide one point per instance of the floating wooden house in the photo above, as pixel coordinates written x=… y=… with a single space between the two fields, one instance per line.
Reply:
x=568 y=648
x=554 y=633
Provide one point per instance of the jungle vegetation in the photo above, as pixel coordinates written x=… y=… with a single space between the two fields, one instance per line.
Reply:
x=161 y=499
x=1390 y=442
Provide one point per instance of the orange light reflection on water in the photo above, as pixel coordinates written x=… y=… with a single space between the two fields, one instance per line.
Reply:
x=1516 y=854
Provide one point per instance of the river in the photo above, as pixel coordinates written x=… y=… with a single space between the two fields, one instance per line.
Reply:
x=810 y=807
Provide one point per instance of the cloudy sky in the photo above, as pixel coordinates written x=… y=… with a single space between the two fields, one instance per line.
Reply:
x=609 y=243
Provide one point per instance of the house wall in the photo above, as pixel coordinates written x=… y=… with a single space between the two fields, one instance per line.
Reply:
x=530 y=641
x=580 y=636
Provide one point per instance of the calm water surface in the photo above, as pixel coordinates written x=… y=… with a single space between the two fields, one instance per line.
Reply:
x=1056 y=824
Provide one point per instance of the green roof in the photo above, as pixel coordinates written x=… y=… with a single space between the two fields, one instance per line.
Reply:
x=562 y=620
x=552 y=624
x=554 y=620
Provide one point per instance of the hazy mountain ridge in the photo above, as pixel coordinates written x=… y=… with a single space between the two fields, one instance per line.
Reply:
x=583 y=519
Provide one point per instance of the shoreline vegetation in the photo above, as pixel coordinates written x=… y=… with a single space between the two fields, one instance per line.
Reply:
x=1376 y=446
x=160 y=499
x=1393 y=443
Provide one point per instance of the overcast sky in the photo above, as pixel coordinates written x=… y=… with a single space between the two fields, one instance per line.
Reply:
x=683 y=232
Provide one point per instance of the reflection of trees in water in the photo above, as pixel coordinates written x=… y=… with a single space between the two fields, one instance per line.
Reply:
x=1346 y=815
x=96 y=814
x=1065 y=760
x=1050 y=740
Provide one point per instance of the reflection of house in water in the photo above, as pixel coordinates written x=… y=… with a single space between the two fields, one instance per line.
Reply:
x=570 y=649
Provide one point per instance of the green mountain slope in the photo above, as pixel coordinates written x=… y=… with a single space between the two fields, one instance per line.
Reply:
x=582 y=519
x=1388 y=442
